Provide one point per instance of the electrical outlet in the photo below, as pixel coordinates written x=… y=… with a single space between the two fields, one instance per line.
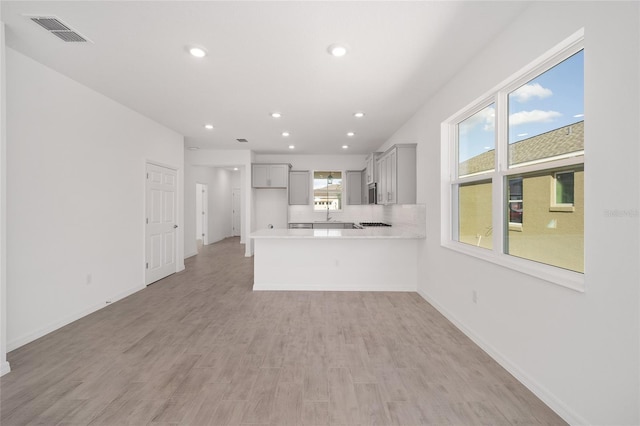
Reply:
x=474 y=296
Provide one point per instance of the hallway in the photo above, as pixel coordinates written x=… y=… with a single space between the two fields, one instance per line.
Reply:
x=200 y=347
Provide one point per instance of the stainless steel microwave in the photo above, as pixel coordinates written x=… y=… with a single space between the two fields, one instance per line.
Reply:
x=373 y=193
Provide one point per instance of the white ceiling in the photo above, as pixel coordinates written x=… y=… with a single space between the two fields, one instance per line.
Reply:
x=263 y=57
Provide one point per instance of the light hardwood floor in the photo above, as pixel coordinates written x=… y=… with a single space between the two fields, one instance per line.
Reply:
x=201 y=348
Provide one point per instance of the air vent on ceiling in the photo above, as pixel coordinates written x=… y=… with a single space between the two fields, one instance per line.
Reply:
x=59 y=29
x=242 y=140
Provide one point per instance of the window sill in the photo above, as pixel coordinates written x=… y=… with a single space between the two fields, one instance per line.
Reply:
x=552 y=274
x=515 y=227
x=567 y=208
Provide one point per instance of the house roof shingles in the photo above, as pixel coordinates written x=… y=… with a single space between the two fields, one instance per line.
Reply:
x=551 y=144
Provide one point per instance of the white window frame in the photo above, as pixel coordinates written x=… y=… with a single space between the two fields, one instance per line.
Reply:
x=450 y=180
x=554 y=206
x=516 y=226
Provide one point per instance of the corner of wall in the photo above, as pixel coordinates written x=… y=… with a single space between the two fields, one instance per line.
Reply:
x=4 y=365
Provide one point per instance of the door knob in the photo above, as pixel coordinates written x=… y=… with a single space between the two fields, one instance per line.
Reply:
x=175 y=226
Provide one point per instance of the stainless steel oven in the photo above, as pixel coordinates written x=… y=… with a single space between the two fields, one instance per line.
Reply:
x=373 y=193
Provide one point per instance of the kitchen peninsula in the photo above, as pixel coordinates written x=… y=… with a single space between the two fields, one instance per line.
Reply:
x=372 y=259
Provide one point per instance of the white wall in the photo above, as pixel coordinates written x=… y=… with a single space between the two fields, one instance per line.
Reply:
x=220 y=226
x=235 y=179
x=236 y=184
x=4 y=365
x=271 y=208
x=316 y=162
x=578 y=351
x=192 y=176
x=223 y=158
x=219 y=181
x=75 y=198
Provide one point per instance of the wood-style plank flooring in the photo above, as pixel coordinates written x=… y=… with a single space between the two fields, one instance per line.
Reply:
x=200 y=348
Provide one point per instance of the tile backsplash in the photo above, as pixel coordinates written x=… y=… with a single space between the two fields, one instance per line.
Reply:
x=408 y=216
x=363 y=213
x=411 y=217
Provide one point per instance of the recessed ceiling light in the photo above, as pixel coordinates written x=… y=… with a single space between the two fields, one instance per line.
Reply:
x=337 y=50
x=193 y=148
x=235 y=169
x=358 y=114
x=285 y=134
x=350 y=134
x=276 y=115
x=345 y=146
x=292 y=146
x=208 y=126
x=198 y=52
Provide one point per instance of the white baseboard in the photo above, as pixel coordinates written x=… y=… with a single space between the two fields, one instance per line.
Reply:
x=329 y=287
x=191 y=255
x=540 y=391
x=4 y=368
x=30 y=337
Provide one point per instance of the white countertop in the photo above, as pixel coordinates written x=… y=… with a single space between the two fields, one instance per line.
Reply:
x=368 y=233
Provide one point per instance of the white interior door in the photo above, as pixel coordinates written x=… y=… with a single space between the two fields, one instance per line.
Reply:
x=160 y=223
x=204 y=216
x=235 y=212
x=198 y=211
x=202 y=213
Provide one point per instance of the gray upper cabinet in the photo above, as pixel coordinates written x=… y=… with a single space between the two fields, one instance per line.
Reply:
x=397 y=175
x=369 y=171
x=354 y=187
x=299 y=187
x=364 y=188
x=381 y=179
x=270 y=175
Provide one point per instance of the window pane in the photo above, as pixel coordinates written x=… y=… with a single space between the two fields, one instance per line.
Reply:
x=546 y=115
x=476 y=142
x=564 y=188
x=549 y=234
x=515 y=200
x=474 y=214
x=327 y=190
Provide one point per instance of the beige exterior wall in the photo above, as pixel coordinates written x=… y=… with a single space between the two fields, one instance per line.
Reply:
x=550 y=235
x=475 y=215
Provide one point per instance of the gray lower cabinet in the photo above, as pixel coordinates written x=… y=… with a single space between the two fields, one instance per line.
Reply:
x=332 y=225
x=321 y=225
x=299 y=187
x=354 y=187
x=301 y=226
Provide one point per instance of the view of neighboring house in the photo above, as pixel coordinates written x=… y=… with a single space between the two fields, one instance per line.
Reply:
x=327 y=192
x=545 y=210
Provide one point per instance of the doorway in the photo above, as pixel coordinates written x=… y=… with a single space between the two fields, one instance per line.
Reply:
x=160 y=228
x=202 y=215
